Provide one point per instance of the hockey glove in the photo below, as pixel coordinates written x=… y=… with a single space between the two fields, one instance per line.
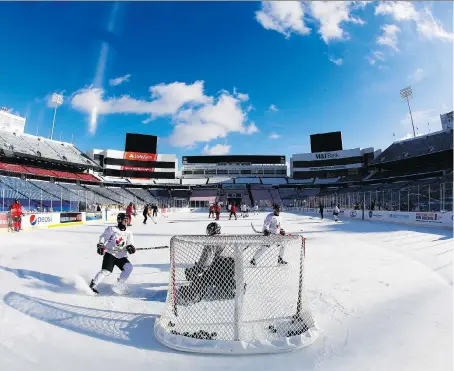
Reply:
x=100 y=249
x=266 y=232
x=130 y=249
x=282 y=232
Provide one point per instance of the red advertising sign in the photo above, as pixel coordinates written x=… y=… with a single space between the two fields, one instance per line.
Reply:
x=134 y=168
x=140 y=156
x=3 y=221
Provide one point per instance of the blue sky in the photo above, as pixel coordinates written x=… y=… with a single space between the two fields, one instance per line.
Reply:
x=227 y=77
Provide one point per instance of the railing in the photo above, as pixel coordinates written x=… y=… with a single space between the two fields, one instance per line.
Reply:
x=427 y=197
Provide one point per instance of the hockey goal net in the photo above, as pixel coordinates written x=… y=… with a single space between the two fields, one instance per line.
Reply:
x=218 y=302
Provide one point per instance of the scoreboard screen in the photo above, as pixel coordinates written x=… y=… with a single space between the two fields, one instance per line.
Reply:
x=326 y=142
x=141 y=143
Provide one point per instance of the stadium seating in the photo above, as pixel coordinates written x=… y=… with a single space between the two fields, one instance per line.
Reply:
x=288 y=193
x=125 y=196
x=247 y=180
x=160 y=194
x=30 y=145
x=199 y=194
x=180 y=193
x=300 y=181
x=326 y=180
x=86 y=195
x=106 y=193
x=274 y=181
x=415 y=147
x=143 y=195
x=194 y=181
x=215 y=180
x=13 y=168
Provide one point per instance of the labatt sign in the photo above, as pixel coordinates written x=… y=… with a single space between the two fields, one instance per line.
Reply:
x=140 y=156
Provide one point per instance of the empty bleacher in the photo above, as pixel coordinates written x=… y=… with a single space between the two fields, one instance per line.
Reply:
x=274 y=181
x=247 y=180
x=416 y=147
x=106 y=193
x=39 y=147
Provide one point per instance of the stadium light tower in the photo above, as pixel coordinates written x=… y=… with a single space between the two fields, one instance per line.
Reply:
x=57 y=99
x=406 y=94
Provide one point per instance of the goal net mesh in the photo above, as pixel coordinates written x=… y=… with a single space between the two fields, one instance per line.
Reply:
x=218 y=301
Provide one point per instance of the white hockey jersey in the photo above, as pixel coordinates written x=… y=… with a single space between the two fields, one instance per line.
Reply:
x=116 y=240
x=272 y=223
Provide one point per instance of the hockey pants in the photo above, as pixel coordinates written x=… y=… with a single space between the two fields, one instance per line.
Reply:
x=108 y=264
x=262 y=249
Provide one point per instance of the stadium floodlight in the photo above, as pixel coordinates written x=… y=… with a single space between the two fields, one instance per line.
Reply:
x=57 y=99
x=407 y=93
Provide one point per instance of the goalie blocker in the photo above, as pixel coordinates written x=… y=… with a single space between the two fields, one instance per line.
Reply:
x=230 y=306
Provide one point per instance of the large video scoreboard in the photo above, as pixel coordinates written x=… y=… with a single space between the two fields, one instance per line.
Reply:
x=139 y=159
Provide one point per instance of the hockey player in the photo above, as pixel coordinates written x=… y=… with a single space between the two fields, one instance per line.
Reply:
x=145 y=213
x=211 y=211
x=211 y=271
x=321 y=210
x=115 y=244
x=336 y=212
x=271 y=225
x=256 y=209
x=16 y=215
x=233 y=212
x=217 y=210
x=246 y=209
x=129 y=213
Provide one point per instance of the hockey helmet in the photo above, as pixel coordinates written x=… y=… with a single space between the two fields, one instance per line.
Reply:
x=121 y=217
x=277 y=207
x=213 y=228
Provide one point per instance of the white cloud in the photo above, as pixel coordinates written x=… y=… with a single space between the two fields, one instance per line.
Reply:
x=378 y=55
x=274 y=136
x=421 y=119
x=426 y=24
x=418 y=75
x=211 y=121
x=399 y=10
x=217 y=150
x=285 y=17
x=165 y=100
x=431 y=28
x=330 y=15
x=389 y=36
x=119 y=80
x=242 y=97
x=337 y=62
x=273 y=108
x=251 y=129
x=250 y=108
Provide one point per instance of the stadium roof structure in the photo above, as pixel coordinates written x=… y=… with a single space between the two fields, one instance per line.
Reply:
x=437 y=142
x=39 y=148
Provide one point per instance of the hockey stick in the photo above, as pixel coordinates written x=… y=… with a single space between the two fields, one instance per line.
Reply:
x=154 y=220
x=152 y=248
x=165 y=216
x=255 y=230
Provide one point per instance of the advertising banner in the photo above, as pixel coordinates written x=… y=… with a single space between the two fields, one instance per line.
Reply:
x=39 y=220
x=70 y=217
x=3 y=221
x=93 y=216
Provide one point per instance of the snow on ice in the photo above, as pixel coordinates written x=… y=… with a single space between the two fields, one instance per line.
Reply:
x=381 y=295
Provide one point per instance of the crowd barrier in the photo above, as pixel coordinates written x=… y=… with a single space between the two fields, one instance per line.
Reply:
x=440 y=219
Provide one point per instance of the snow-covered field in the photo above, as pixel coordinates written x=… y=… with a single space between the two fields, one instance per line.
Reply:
x=381 y=295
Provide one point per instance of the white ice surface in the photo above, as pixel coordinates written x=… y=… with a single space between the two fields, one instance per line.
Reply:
x=381 y=295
